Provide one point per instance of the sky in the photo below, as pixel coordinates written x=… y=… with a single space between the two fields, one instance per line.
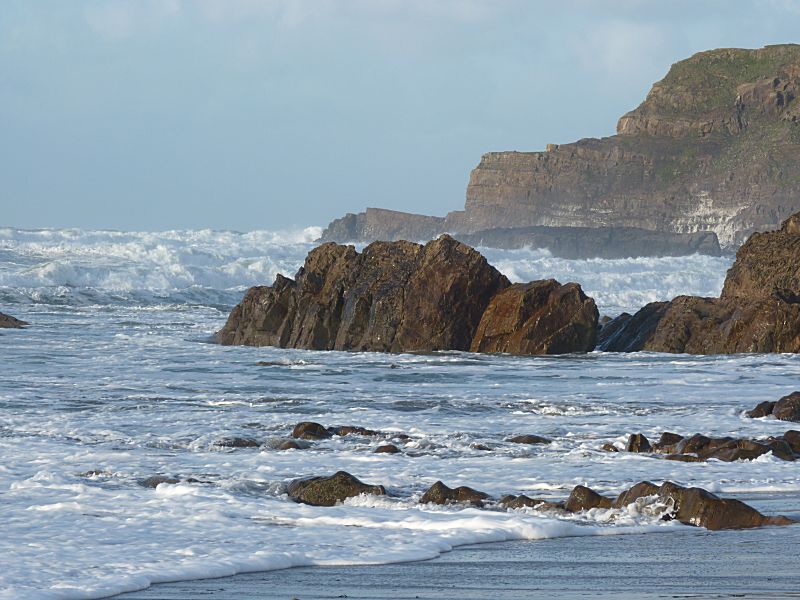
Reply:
x=272 y=114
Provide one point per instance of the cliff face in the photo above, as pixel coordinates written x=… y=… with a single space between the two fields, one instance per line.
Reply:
x=715 y=147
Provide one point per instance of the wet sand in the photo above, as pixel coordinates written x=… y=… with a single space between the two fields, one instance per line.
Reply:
x=680 y=563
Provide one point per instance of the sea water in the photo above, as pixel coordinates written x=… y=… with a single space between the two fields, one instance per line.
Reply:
x=116 y=380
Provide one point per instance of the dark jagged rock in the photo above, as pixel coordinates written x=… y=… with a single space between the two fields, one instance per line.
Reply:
x=763 y=409
x=237 y=442
x=713 y=148
x=387 y=449
x=9 y=322
x=637 y=442
x=788 y=408
x=394 y=296
x=759 y=310
x=609 y=447
x=630 y=333
x=529 y=439
x=308 y=430
x=584 y=498
x=328 y=491
x=439 y=493
x=541 y=317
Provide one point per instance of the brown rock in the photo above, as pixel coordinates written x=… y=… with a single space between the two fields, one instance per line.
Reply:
x=667 y=441
x=696 y=506
x=9 y=322
x=788 y=408
x=439 y=493
x=394 y=296
x=764 y=409
x=637 y=442
x=327 y=491
x=640 y=490
x=287 y=444
x=792 y=438
x=609 y=447
x=387 y=449
x=529 y=439
x=584 y=498
x=692 y=444
x=156 y=480
x=683 y=457
x=541 y=317
x=308 y=430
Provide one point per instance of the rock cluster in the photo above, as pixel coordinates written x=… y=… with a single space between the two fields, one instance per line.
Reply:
x=758 y=311
x=400 y=297
x=692 y=506
x=785 y=409
x=700 y=447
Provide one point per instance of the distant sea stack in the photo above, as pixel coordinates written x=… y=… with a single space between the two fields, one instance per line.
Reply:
x=713 y=153
x=405 y=297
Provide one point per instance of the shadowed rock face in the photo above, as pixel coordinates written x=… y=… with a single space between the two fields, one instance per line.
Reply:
x=9 y=322
x=785 y=409
x=395 y=296
x=541 y=317
x=715 y=147
x=400 y=297
x=759 y=310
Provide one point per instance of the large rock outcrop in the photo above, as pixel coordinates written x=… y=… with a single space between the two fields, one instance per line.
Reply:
x=541 y=317
x=715 y=147
x=401 y=297
x=9 y=322
x=758 y=311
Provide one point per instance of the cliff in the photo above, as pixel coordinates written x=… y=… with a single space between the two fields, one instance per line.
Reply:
x=715 y=147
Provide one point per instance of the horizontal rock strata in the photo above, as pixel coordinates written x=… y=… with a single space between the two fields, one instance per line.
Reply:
x=714 y=147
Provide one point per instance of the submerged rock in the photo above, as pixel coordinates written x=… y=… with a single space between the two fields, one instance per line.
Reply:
x=541 y=317
x=387 y=449
x=529 y=439
x=439 y=493
x=237 y=442
x=327 y=491
x=9 y=322
x=156 y=480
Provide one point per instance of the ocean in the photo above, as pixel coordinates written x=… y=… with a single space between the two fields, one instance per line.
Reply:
x=117 y=380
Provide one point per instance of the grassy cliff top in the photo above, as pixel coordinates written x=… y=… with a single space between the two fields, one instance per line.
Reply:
x=706 y=82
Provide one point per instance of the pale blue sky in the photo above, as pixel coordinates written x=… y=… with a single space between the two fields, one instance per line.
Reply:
x=264 y=114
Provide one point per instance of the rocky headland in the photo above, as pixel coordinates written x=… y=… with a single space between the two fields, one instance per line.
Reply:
x=712 y=153
x=403 y=297
x=758 y=310
x=9 y=322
